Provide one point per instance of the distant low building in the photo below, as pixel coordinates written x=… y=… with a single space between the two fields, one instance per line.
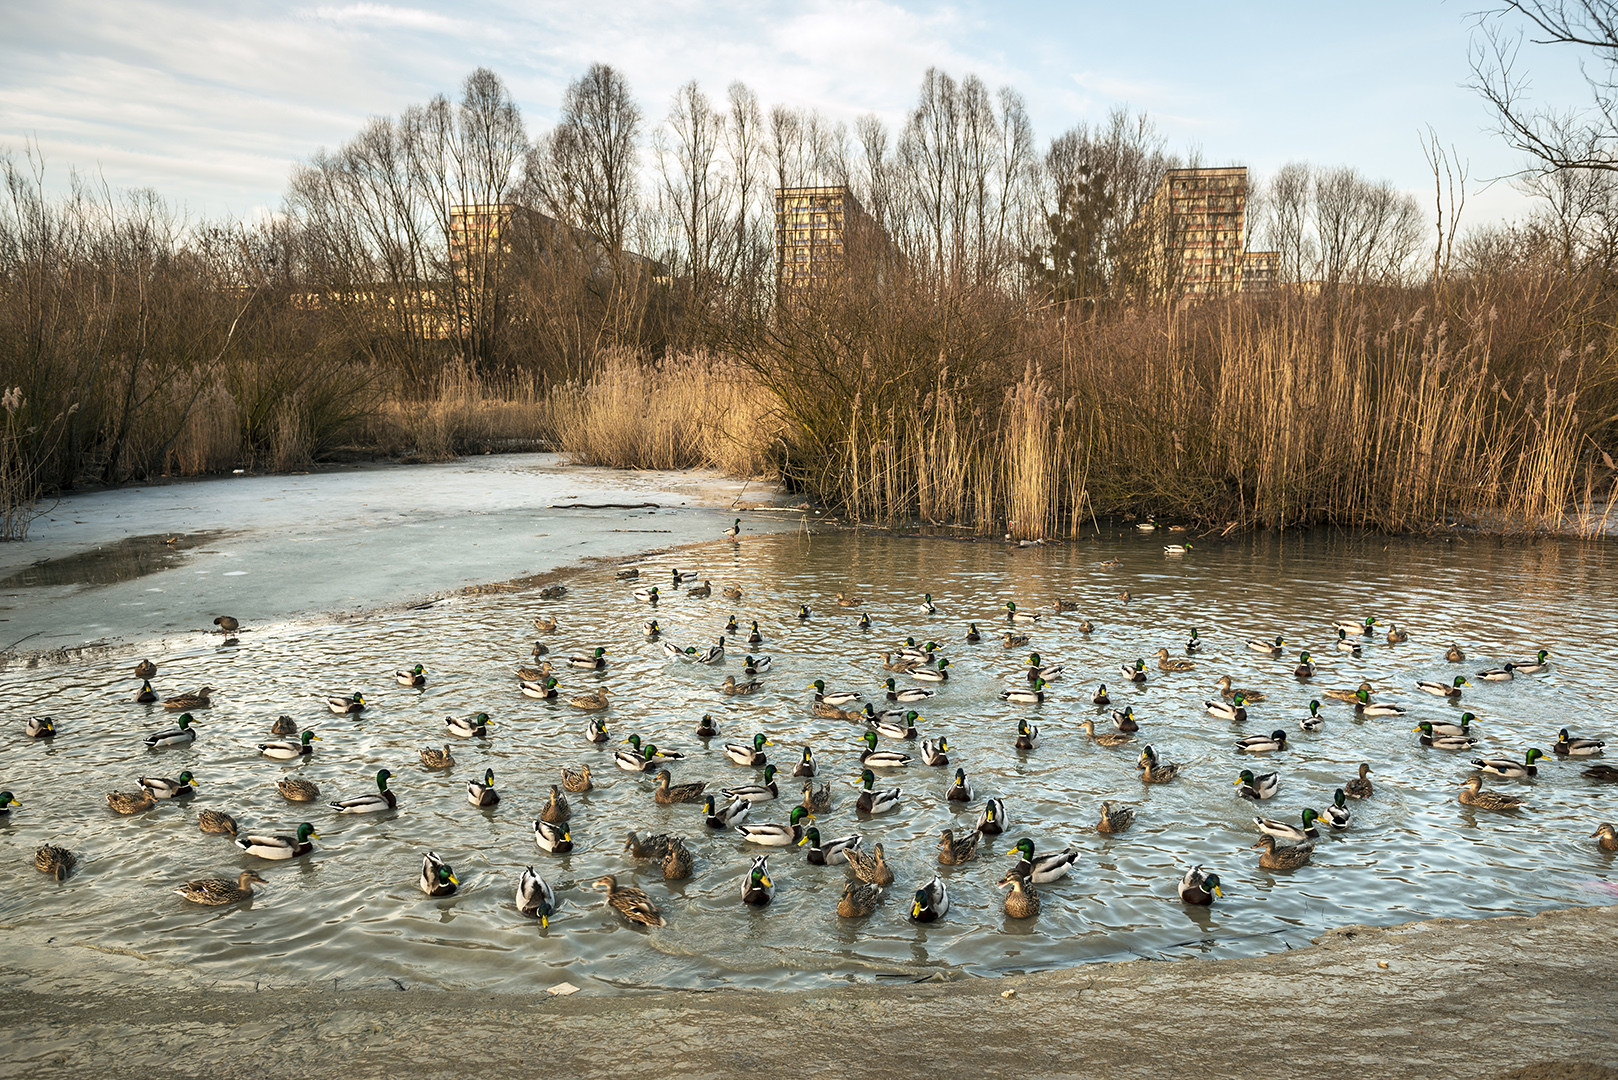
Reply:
x=817 y=229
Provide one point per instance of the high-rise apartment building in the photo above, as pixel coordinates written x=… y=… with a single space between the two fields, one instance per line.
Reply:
x=1196 y=222
x=815 y=230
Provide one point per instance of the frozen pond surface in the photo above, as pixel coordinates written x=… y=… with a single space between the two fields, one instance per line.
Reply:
x=350 y=914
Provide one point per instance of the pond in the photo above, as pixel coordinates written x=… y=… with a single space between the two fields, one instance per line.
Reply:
x=350 y=913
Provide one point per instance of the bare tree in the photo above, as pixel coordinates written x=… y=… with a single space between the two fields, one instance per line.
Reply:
x=692 y=183
x=1288 y=217
x=587 y=173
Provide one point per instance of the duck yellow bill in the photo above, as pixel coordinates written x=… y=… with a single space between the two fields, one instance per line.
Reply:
x=453 y=880
x=1218 y=892
x=764 y=879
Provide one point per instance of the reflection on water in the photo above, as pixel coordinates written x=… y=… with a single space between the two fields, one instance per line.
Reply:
x=351 y=911
x=123 y=560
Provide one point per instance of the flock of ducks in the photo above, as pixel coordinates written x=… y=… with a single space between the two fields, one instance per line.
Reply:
x=892 y=743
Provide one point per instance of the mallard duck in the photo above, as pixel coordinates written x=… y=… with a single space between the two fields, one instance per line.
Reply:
x=959 y=790
x=1395 y=635
x=1472 y=794
x=1107 y=738
x=59 y=862
x=553 y=836
x=1263 y=744
x=288 y=749
x=700 y=592
x=931 y=902
x=993 y=819
x=1283 y=831
x=1507 y=767
x=763 y=791
x=1038 y=669
x=146 y=694
x=1360 y=786
x=931 y=674
x=370 y=804
x=1463 y=726
x=1259 y=786
x=803 y=612
x=713 y=654
x=1452 y=691
x=829 y=852
x=39 y=727
x=1042 y=869
x=482 y=793
x=1269 y=648
x=1153 y=770
x=1135 y=672
x=973 y=635
x=122 y=802
x=161 y=787
x=651 y=630
x=807 y=766
x=1111 y=564
x=817 y=800
x=647 y=594
x=1198 y=888
x=591 y=661
x=1085 y=626
x=1149 y=525
x=838 y=697
x=227 y=624
x=754 y=636
x=279 y=847
x=1027 y=695
x=630 y=902
x=832 y=712
x=650 y=846
x=469 y=727
x=1013 y=641
x=757 y=888
x=1536 y=665
x=874 y=800
x=415 y=676
x=178 y=735
x=437 y=759
x=284 y=725
x=1063 y=605
x=927 y=605
x=145 y=670
x=1177 y=549
x=755 y=665
x=707 y=727
x=1314 y=721
x=1305 y=668
x=1235 y=709
x=773 y=834
x=749 y=753
x=1362 y=629
x=1276 y=857
x=678 y=863
x=731 y=592
x=630 y=573
x=727 y=816
x=1125 y=721
x=1600 y=772
x=1168 y=663
x=297 y=789
x=1227 y=688
x=633 y=758
x=1454 y=654
x=1124 y=597
x=1567 y=746
x=553 y=592
x=871 y=867
x=1500 y=674
x=734 y=531
x=1366 y=707
x=437 y=878
x=1114 y=821
x=344 y=706
x=544 y=689
x=1022 y=901
x=1436 y=740
x=734 y=688
x=216 y=821
x=859 y=899
x=1606 y=838
x=546 y=625
x=678 y=652
x=667 y=794
x=596 y=702
x=1101 y=697
x=1027 y=736
x=216 y=891
x=1347 y=695
x=865 y=621
x=1337 y=815
x=873 y=758
x=1015 y=616
x=908 y=694
x=595 y=731
x=902 y=727
x=956 y=852
x=1348 y=645
x=573 y=779
x=535 y=898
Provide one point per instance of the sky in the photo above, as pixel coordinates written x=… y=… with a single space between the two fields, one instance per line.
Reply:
x=212 y=102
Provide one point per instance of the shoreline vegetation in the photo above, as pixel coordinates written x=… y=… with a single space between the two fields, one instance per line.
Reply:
x=1001 y=352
